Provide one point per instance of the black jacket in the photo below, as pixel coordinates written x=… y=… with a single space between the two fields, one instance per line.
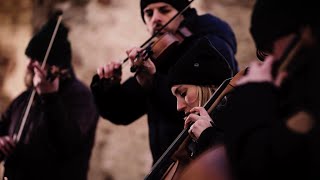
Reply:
x=123 y=104
x=259 y=143
x=59 y=134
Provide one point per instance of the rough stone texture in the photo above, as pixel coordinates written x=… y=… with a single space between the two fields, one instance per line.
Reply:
x=100 y=31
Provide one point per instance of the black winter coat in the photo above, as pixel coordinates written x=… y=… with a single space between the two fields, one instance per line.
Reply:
x=59 y=134
x=259 y=143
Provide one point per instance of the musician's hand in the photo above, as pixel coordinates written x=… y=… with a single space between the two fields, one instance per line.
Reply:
x=200 y=120
x=262 y=72
x=6 y=145
x=40 y=81
x=145 y=67
x=111 y=71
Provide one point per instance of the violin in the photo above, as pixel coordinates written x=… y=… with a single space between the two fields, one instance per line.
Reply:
x=175 y=154
x=163 y=45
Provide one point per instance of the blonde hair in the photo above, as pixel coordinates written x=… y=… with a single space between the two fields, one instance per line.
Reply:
x=204 y=93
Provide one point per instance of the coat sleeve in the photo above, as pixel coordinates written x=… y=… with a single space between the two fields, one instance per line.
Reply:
x=258 y=141
x=72 y=118
x=208 y=138
x=10 y=113
x=120 y=104
x=4 y=122
x=248 y=125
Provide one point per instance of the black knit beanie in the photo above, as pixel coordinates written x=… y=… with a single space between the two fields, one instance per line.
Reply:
x=177 y=4
x=203 y=65
x=60 y=53
x=272 y=19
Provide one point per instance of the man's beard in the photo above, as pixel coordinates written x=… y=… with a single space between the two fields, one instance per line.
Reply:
x=163 y=31
x=28 y=79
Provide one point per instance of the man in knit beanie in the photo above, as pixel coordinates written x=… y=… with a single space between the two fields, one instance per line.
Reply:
x=148 y=91
x=59 y=58
x=60 y=53
x=58 y=134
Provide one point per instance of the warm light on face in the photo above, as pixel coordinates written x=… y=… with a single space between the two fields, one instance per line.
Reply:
x=158 y=14
x=187 y=97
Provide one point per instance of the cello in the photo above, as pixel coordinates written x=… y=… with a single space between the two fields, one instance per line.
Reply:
x=169 y=165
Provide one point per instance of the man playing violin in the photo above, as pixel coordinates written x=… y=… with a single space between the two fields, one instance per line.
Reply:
x=273 y=130
x=59 y=132
x=148 y=91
